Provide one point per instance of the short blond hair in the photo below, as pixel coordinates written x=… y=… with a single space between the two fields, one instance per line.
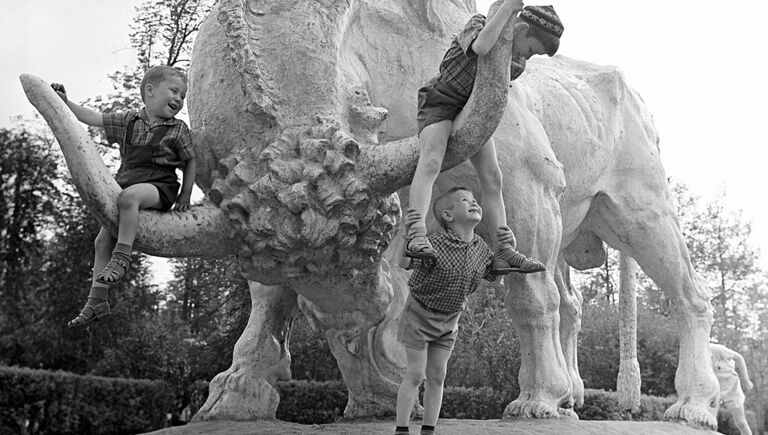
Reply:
x=157 y=74
x=443 y=203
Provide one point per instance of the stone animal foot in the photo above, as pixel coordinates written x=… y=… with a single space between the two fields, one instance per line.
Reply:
x=691 y=414
x=530 y=409
x=568 y=413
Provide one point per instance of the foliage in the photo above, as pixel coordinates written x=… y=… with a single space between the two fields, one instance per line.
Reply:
x=487 y=353
x=604 y=405
x=209 y=299
x=27 y=174
x=311 y=358
x=163 y=30
x=311 y=402
x=57 y=402
x=599 y=349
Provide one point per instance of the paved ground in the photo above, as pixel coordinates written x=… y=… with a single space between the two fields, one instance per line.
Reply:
x=445 y=427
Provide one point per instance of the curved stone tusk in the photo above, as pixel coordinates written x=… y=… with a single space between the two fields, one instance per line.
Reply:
x=390 y=166
x=203 y=231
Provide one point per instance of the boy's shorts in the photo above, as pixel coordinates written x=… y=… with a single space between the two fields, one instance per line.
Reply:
x=164 y=180
x=436 y=103
x=420 y=326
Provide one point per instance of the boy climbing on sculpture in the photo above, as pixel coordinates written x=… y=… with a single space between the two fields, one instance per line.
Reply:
x=438 y=294
x=537 y=30
x=153 y=143
x=725 y=363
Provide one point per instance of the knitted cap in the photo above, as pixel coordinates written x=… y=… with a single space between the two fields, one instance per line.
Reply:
x=543 y=17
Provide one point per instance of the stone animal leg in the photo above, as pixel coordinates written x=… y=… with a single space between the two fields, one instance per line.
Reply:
x=371 y=360
x=644 y=226
x=532 y=189
x=570 y=324
x=628 y=381
x=247 y=390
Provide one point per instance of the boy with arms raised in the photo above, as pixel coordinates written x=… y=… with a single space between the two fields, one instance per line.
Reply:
x=537 y=30
x=438 y=294
x=153 y=143
x=725 y=363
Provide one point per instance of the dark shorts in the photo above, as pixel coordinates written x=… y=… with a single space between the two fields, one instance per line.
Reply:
x=420 y=326
x=164 y=179
x=437 y=103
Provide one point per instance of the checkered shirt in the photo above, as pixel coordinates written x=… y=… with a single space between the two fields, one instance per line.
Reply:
x=459 y=65
x=460 y=266
x=175 y=147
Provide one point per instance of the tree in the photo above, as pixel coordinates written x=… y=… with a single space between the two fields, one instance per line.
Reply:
x=27 y=197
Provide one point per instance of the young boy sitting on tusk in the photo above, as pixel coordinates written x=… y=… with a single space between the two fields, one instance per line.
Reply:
x=537 y=30
x=153 y=143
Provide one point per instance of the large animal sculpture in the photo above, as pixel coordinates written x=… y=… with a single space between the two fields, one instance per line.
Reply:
x=303 y=114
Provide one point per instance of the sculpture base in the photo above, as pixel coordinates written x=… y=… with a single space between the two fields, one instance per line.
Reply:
x=445 y=427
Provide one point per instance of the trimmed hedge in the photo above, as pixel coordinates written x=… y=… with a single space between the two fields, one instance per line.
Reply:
x=41 y=401
x=604 y=405
x=310 y=402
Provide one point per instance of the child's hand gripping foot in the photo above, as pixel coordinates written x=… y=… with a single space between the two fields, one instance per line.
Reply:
x=507 y=259
x=417 y=244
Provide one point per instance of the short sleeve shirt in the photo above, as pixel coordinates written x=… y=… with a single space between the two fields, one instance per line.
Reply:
x=460 y=266
x=459 y=65
x=725 y=369
x=173 y=150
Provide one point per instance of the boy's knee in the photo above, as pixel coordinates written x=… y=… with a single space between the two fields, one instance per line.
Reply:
x=127 y=199
x=436 y=376
x=413 y=378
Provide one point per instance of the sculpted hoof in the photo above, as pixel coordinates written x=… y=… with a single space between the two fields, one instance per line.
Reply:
x=567 y=413
x=691 y=414
x=530 y=409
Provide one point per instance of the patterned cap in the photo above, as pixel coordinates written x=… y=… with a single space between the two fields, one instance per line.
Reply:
x=543 y=17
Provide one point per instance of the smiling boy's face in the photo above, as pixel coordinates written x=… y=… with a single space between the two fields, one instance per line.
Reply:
x=165 y=99
x=464 y=208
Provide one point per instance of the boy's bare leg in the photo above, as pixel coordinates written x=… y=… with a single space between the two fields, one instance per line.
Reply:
x=437 y=363
x=102 y=247
x=741 y=420
x=131 y=200
x=409 y=387
x=433 y=140
x=507 y=259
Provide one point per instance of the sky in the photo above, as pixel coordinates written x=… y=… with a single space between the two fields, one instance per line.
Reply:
x=700 y=66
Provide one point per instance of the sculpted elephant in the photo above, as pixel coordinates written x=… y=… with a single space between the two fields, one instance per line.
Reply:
x=303 y=114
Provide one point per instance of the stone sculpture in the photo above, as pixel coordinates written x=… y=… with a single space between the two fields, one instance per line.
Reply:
x=301 y=171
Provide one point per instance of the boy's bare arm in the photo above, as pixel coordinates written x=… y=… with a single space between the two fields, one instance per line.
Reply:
x=83 y=114
x=190 y=172
x=492 y=29
x=743 y=373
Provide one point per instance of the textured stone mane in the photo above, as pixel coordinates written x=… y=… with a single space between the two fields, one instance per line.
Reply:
x=299 y=206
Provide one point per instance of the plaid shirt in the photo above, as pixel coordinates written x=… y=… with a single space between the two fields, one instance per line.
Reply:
x=459 y=65
x=460 y=266
x=175 y=147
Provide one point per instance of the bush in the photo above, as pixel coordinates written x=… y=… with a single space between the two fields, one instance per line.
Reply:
x=311 y=402
x=58 y=402
x=474 y=403
x=604 y=405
